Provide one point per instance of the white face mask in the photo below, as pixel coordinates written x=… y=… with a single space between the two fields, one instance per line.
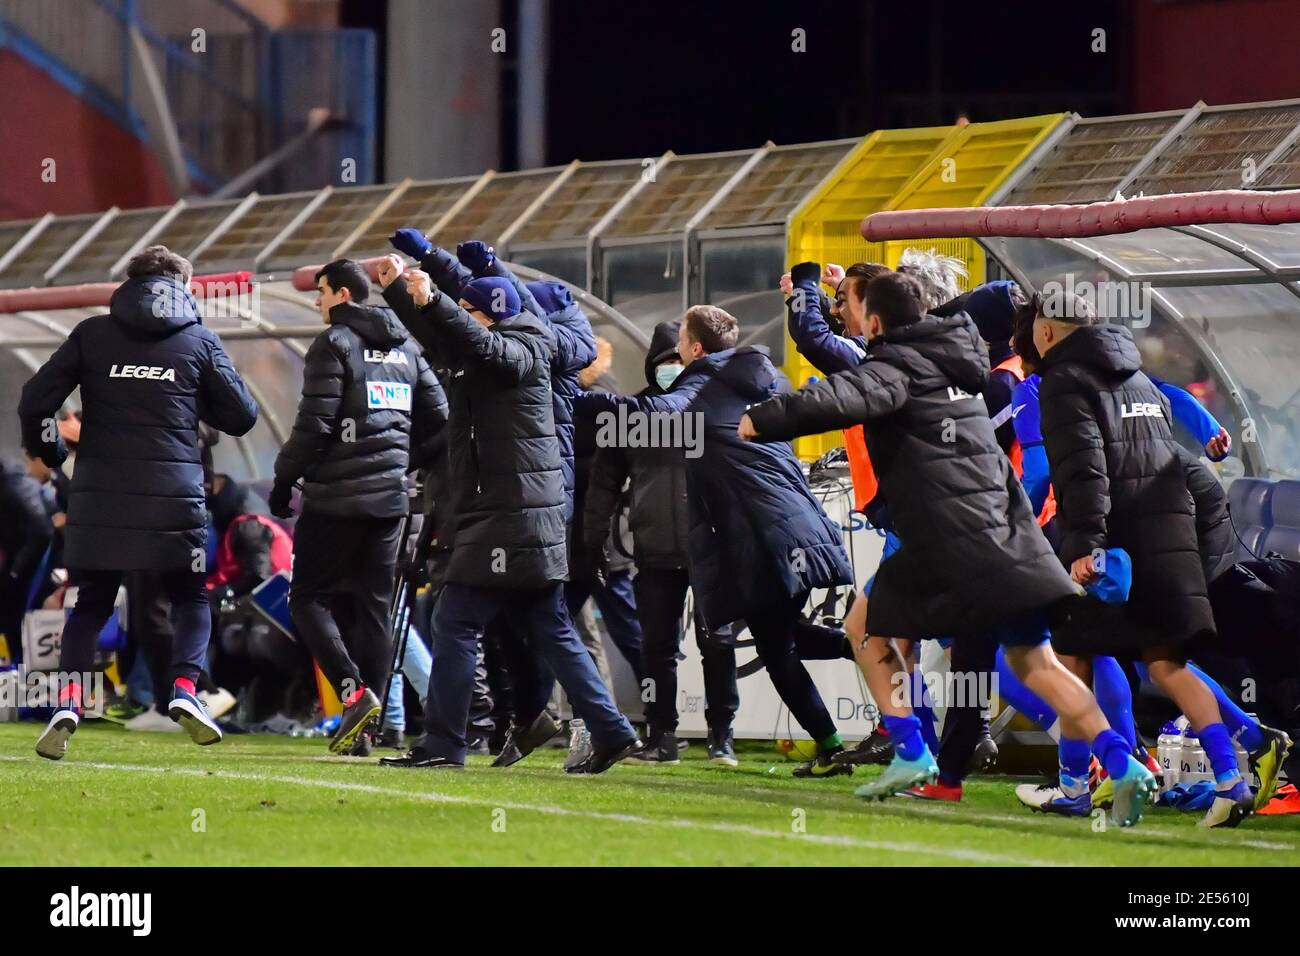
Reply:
x=666 y=374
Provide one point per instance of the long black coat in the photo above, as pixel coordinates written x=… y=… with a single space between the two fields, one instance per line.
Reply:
x=149 y=373
x=758 y=537
x=503 y=525
x=368 y=397
x=972 y=553
x=1120 y=482
x=657 y=515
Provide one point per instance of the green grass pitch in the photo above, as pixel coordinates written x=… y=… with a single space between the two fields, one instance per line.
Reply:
x=150 y=799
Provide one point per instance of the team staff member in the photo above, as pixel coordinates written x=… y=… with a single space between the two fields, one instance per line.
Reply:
x=504 y=524
x=660 y=525
x=368 y=396
x=149 y=372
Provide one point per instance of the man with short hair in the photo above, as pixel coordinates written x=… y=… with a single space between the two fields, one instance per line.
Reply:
x=504 y=523
x=149 y=373
x=971 y=556
x=1121 y=484
x=759 y=542
x=368 y=399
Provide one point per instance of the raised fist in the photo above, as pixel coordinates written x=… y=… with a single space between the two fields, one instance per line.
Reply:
x=412 y=242
x=420 y=286
x=388 y=269
x=475 y=255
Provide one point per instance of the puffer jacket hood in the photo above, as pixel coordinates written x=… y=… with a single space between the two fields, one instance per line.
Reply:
x=154 y=305
x=552 y=297
x=376 y=325
x=1109 y=349
x=663 y=346
x=747 y=369
x=952 y=343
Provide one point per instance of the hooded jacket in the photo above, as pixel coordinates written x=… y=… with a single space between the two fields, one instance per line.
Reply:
x=149 y=373
x=757 y=536
x=658 y=513
x=503 y=522
x=368 y=396
x=1120 y=481
x=972 y=554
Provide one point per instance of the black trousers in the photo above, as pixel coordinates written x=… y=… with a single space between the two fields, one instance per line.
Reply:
x=965 y=723
x=348 y=564
x=176 y=643
x=660 y=597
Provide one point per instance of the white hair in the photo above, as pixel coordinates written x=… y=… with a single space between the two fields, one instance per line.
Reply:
x=938 y=274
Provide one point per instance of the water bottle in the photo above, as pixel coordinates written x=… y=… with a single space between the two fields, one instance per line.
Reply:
x=1193 y=767
x=1169 y=750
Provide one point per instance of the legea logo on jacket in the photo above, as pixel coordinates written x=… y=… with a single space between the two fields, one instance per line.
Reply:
x=156 y=372
x=380 y=357
x=956 y=394
x=391 y=395
x=1141 y=410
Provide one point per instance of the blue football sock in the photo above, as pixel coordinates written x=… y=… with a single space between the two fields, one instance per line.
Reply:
x=1114 y=697
x=1021 y=697
x=1223 y=758
x=1242 y=727
x=1075 y=757
x=905 y=733
x=1113 y=751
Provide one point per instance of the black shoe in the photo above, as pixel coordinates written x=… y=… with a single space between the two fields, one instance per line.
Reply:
x=876 y=748
x=824 y=765
x=391 y=738
x=601 y=760
x=521 y=741
x=364 y=746
x=722 y=748
x=418 y=758
x=984 y=758
x=478 y=747
x=661 y=749
x=356 y=719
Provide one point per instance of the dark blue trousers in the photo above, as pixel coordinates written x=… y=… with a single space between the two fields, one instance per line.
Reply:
x=538 y=616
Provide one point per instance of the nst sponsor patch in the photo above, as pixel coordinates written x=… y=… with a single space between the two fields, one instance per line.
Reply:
x=391 y=395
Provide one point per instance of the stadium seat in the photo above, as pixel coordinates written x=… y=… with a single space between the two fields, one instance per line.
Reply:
x=1250 y=500
x=1249 y=539
x=1284 y=509
x=1285 y=541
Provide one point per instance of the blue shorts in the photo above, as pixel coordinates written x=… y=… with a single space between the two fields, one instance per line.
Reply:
x=1027 y=630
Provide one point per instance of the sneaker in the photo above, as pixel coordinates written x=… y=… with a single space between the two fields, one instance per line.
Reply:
x=823 y=765
x=579 y=744
x=187 y=710
x=1103 y=795
x=478 y=747
x=935 y=791
x=421 y=760
x=601 y=760
x=1052 y=798
x=364 y=746
x=357 y=718
x=391 y=738
x=1230 y=807
x=1132 y=790
x=153 y=721
x=900 y=775
x=217 y=702
x=722 y=748
x=984 y=758
x=661 y=749
x=52 y=744
x=875 y=748
x=1267 y=762
x=521 y=741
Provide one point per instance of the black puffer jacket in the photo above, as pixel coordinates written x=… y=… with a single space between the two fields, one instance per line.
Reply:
x=149 y=373
x=1214 y=532
x=972 y=554
x=1119 y=480
x=25 y=529
x=368 y=396
x=658 y=512
x=757 y=536
x=504 y=520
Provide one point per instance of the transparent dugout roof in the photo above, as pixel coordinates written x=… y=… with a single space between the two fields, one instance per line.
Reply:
x=680 y=188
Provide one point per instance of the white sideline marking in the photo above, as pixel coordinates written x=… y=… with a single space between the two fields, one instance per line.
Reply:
x=955 y=853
